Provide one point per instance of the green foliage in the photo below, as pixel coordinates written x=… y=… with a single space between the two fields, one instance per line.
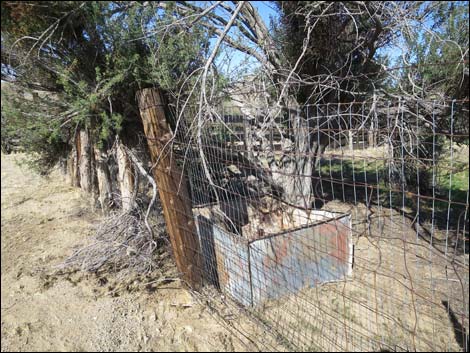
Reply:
x=439 y=57
x=26 y=121
x=97 y=55
x=334 y=48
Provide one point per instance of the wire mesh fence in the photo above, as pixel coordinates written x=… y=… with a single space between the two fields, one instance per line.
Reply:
x=333 y=227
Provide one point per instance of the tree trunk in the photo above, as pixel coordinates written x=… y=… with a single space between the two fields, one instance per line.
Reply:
x=294 y=172
x=125 y=178
x=103 y=179
x=85 y=162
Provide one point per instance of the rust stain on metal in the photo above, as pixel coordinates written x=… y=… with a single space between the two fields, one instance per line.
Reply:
x=279 y=253
x=283 y=263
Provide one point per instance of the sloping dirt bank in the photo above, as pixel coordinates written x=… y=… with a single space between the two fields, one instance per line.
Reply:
x=42 y=221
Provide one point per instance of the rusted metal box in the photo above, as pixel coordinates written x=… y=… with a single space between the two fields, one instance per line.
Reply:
x=274 y=265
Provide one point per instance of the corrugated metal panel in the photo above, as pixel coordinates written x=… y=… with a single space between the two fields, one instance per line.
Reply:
x=283 y=263
x=233 y=265
x=205 y=231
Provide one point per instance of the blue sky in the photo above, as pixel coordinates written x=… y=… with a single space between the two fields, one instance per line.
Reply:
x=266 y=11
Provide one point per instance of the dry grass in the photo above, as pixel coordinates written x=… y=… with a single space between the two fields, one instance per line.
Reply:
x=393 y=301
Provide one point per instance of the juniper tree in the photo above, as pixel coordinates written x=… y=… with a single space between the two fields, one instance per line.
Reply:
x=96 y=55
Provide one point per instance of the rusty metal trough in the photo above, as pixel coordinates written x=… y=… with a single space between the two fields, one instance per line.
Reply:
x=278 y=264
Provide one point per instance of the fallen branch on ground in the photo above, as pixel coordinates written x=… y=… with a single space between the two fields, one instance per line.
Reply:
x=123 y=242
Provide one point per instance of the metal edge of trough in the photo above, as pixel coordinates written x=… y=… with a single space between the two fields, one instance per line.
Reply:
x=246 y=243
x=301 y=281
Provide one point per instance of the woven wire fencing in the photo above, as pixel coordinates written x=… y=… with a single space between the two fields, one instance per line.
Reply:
x=334 y=227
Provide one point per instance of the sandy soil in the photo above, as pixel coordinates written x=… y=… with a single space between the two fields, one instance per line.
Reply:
x=394 y=299
x=42 y=221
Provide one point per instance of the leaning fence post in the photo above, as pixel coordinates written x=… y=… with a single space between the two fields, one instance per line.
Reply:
x=172 y=189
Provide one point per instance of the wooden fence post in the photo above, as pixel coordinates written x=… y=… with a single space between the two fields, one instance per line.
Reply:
x=85 y=164
x=172 y=186
x=104 y=180
x=126 y=177
x=351 y=140
x=72 y=163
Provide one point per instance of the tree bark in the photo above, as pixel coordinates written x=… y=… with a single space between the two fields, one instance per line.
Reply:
x=295 y=170
x=125 y=178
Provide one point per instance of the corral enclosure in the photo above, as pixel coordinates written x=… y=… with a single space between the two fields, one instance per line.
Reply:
x=376 y=260
x=308 y=161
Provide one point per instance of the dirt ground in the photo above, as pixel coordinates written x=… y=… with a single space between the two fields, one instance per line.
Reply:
x=393 y=301
x=403 y=293
x=42 y=221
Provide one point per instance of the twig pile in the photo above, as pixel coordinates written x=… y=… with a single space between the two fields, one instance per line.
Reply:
x=121 y=243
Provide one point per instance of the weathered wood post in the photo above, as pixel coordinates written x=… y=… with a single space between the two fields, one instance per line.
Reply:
x=351 y=140
x=104 y=180
x=125 y=177
x=371 y=135
x=85 y=163
x=73 y=162
x=172 y=186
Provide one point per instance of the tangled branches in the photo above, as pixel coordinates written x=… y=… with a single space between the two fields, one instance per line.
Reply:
x=121 y=244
